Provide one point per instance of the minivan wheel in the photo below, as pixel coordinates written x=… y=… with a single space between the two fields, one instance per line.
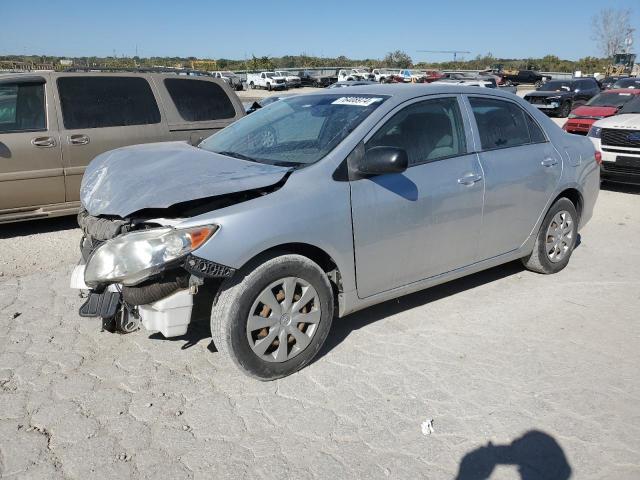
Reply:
x=556 y=239
x=272 y=318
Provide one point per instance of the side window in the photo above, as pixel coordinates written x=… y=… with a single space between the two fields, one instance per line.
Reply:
x=199 y=100
x=22 y=107
x=535 y=132
x=501 y=124
x=98 y=102
x=427 y=130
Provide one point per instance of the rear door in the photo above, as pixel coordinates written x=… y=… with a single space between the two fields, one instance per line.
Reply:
x=197 y=107
x=31 y=171
x=100 y=113
x=521 y=172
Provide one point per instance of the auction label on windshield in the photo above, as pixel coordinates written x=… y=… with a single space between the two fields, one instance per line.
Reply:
x=356 y=101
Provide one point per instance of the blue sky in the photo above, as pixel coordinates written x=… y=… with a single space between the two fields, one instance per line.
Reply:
x=357 y=29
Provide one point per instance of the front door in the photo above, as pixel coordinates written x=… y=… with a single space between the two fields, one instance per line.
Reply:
x=31 y=172
x=101 y=113
x=521 y=172
x=426 y=220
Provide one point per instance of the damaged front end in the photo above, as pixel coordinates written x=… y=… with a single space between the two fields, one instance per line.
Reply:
x=142 y=272
x=137 y=261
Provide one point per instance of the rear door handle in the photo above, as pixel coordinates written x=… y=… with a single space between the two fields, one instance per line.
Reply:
x=43 y=142
x=78 y=139
x=549 y=162
x=469 y=179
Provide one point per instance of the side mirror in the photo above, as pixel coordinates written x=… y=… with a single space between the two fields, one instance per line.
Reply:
x=381 y=160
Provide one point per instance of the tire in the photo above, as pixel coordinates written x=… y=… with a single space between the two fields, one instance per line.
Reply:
x=565 y=110
x=538 y=84
x=252 y=86
x=242 y=293
x=540 y=260
x=269 y=86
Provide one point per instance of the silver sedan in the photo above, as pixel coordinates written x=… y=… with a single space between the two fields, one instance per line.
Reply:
x=320 y=205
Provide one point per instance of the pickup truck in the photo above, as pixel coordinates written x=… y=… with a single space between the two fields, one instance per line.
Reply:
x=311 y=78
x=268 y=80
x=382 y=74
x=233 y=80
x=526 y=76
x=347 y=75
x=293 y=81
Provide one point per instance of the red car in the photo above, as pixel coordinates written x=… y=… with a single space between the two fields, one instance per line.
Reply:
x=605 y=104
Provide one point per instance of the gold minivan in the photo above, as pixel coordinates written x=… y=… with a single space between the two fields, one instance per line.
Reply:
x=53 y=124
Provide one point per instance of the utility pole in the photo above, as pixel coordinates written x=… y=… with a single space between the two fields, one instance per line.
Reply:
x=455 y=52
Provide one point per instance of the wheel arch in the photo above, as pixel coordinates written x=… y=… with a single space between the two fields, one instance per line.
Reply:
x=312 y=252
x=574 y=196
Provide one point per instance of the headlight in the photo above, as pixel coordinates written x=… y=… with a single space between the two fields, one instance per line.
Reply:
x=133 y=257
x=555 y=104
x=595 y=132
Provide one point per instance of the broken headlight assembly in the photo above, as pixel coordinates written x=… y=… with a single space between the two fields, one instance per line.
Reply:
x=131 y=258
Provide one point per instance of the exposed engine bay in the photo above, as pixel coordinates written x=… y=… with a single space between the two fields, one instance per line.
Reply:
x=173 y=288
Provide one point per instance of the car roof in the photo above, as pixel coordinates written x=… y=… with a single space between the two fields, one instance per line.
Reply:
x=408 y=91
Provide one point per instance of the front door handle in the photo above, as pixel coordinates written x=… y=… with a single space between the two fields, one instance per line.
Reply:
x=78 y=139
x=43 y=142
x=469 y=179
x=549 y=162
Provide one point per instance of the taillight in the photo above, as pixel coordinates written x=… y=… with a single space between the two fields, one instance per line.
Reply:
x=598 y=157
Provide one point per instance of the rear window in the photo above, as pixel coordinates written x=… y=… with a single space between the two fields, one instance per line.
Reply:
x=99 y=102
x=199 y=100
x=503 y=124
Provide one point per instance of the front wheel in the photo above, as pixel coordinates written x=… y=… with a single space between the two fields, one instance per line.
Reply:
x=272 y=318
x=556 y=239
x=565 y=109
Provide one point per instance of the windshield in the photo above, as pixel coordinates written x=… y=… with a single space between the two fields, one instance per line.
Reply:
x=556 y=86
x=610 y=99
x=627 y=83
x=228 y=74
x=270 y=75
x=294 y=131
x=632 y=106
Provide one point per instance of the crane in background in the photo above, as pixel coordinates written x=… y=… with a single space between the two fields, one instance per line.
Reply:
x=455 y=52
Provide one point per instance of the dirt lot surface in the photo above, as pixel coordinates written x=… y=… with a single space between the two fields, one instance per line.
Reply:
x=544 y=367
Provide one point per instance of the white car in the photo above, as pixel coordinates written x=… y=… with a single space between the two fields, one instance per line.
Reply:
x=349 y=75
x=381 y=74
x=617 y=142
x=268 y=80
x=293 y=81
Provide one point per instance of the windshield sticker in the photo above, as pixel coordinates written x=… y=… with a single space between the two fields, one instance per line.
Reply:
x=356 y=101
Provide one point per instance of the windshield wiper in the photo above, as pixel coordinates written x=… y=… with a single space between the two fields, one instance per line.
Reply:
x=237 y=155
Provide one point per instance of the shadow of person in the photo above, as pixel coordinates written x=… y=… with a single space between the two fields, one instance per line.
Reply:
x=537 y=455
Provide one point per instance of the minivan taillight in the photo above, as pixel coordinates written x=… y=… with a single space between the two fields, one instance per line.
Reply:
x=598 y=157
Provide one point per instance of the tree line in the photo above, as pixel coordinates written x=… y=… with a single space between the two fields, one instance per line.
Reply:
x=397 y=59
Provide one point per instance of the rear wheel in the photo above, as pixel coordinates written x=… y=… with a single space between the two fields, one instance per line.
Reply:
x=556 y=239
x=252 y=86
x=272 y=318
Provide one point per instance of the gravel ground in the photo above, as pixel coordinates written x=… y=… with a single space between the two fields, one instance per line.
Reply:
x=543 y=367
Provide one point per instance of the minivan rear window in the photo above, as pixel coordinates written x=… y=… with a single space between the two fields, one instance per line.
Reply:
x=22 y=107
x=98 y=102
x=199 y=100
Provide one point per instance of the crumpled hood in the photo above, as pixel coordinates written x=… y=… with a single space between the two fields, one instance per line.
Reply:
x=158 y=175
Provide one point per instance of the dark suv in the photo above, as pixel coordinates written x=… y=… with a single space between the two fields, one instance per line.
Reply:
x=526 y=76
x=559 y=97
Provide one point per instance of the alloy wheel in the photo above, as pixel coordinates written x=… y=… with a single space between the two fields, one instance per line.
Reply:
x=559 y=238
x=283 y=319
